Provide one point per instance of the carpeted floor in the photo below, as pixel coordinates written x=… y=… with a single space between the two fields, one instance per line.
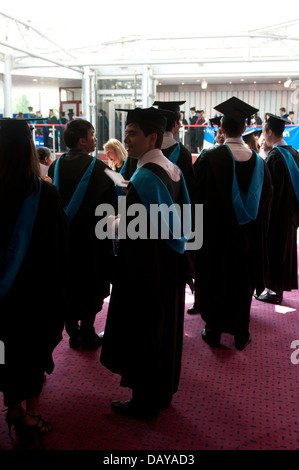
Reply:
x=228 y=399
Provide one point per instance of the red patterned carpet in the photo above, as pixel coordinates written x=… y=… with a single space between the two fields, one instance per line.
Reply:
x=228 y=399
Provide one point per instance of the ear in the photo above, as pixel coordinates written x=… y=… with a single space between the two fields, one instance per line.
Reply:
x=81 y=143
x=153 y=138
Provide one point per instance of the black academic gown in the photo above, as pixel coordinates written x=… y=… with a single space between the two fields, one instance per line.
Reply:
x=91 y=259
x=282 y=237
x=33 y=312
x=184 y=162
x=233 y=259
x=193 y=133
x=144 y=328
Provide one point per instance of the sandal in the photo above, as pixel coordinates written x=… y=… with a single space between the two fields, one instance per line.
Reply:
x=41 y=427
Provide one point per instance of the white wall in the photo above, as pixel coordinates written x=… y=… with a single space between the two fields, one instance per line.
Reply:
x=267 y=98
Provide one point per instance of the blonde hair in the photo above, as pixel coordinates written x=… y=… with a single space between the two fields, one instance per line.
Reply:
x=119 y=150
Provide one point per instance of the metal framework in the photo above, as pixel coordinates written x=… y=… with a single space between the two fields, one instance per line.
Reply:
x=266 y=55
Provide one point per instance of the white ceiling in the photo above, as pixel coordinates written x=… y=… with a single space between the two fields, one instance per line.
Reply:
x=54 y=44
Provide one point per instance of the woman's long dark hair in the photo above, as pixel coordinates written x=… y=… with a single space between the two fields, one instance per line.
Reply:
x=19 y=164
x=19 y=167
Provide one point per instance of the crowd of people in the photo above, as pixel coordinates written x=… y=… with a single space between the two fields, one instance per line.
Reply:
x=193 y=131
x=43 y=127
x=250 y=220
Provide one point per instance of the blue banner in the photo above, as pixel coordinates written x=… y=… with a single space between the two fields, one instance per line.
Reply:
x=209 y=136
x=291 y=136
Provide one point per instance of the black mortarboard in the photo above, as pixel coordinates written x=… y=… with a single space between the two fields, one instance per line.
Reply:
x=173 y=106
x=236 y=109
x=157 y=117
x=16 y=131
x=216 y=121
x=169 y=105
x=248 y=135
x=277 y=123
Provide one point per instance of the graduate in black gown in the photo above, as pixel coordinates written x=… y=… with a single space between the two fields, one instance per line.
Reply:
x=90 y=259
x=234 y=185
x=144 y=329
x=283 y=163
x=176 y=152
x=33 y=270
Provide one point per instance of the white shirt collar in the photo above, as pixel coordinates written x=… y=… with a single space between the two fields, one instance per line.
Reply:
x=168 y=140
x=156 y=156
x=281 y=142
x=234 y=140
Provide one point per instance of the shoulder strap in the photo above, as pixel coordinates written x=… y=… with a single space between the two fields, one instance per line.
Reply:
x=174 y=156
x=78 y=196
x=13 y=256
x=246 y=207
x=292 y=167
x=161 y=199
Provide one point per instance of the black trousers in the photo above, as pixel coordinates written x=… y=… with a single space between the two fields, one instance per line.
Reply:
x=81 y=328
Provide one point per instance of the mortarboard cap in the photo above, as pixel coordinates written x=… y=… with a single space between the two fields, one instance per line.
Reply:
x=248 y=134
x=16 y=131
x=216 y=121
x=236 y=109
x=157 y=117
x=173 y=106
x=277 y=123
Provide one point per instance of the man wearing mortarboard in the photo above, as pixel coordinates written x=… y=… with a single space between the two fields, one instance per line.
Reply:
x=234 y=185
x=218 y=140
x=251 y=139
x=144 y=328
x=176 y=152
x=283 y=163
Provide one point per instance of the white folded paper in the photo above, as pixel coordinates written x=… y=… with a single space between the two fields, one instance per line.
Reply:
x=117 y=178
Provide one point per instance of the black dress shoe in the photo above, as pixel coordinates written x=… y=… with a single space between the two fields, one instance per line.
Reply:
x=92 y=343
x=242 y=343
x=193 y=310
x=130 y=409
x=74 y=342
x=270 y=298
x=210 y=338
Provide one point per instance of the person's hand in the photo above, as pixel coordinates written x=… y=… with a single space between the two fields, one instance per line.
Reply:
x=125 y=188
x=112 y=224
x=47 y=178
